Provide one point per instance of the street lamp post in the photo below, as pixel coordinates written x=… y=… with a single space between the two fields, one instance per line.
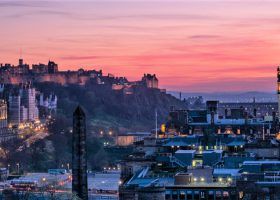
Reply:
x=44 y=181
x=68 y=167
x=18 y=168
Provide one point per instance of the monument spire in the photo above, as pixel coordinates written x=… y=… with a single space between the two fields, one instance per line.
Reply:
x=79 y=155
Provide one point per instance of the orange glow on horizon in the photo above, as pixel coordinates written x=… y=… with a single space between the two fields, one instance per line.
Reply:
x=201 y=46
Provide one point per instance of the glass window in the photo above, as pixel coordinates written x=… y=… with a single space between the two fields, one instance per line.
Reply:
x=218 y=195
x=189 y=195
x=202 y=195
x=167 y=195
x=196 y=195
x=182 y=195
x=211 y=195
x=174 y=195
x=226 y=195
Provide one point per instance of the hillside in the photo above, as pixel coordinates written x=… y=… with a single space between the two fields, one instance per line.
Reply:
x=107 y=108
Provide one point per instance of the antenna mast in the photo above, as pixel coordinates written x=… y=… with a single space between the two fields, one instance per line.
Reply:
x=156 y=115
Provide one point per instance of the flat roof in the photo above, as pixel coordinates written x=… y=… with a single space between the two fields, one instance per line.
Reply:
x=185 y=151
x=261 y=162
x=236 y=143
x=200 y=185
x=144 y=182
x=212 y=151
x=175 y=143
x=136 y=133
x=224 y=171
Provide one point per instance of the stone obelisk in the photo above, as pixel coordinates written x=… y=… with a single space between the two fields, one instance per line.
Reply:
x=79 y=155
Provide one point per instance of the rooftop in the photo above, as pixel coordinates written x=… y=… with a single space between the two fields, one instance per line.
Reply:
x=223 y=171
x=212 y=151
x=261 y=162
x=185 y=151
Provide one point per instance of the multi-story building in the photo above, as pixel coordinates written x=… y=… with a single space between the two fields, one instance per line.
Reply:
x=14 y=109
x=232 y=120
x=150 y=80
x=193 y=185
x=22 y=105
x=29 y=101
x=52 y=67
x=3 y=114
x=22 y=68
x=184 y=168
x=205 y=155
x=260 y=180
x=40 y=68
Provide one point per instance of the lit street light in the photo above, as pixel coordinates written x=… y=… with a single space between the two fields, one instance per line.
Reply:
x=44 y=179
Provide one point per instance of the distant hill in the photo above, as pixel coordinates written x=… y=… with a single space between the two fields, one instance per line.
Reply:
x=113 y=108
x=232 y=96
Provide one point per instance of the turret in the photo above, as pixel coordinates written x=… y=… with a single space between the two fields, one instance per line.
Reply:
x=20 y=62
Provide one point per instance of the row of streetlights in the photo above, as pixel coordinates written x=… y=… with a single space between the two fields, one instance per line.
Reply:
x=111 y=168
x=17 y=165
x=109 y=133
x=67 y=164
x=106 y=144
x=201 y=179
x=220 y=180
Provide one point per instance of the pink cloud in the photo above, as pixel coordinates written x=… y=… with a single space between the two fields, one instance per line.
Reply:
x=232 y=44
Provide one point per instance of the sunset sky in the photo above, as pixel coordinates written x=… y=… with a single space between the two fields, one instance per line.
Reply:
x=192 y=45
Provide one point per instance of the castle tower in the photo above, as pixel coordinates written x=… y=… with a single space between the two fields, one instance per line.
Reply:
x=278 y=91
x=79 y=155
